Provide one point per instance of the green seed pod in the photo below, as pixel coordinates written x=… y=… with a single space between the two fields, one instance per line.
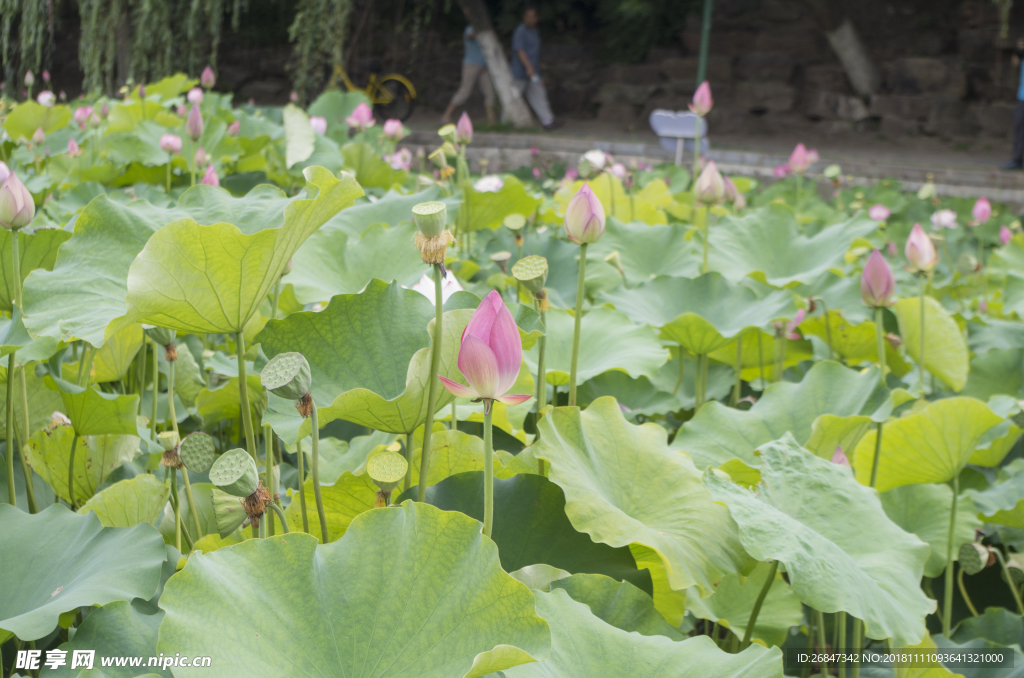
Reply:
x=197 y=452
x=160 y=335
x=168 y=440
x=235 y=473
x=287 y=376
x=973 y=557
x=386 y=469
x=966 y=263
x=514 y=222
x=228 y=512
x=447 y=133
x=532 y=272
x=430 y=218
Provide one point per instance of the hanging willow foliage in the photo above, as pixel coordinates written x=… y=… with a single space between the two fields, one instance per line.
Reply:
x=26 y=37
x=319 y=35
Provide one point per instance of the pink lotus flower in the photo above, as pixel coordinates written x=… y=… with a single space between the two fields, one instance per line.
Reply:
x=95 y=121
x=182 y=110
x=39 y=136
x=201 y=157
x=207 y=79
x=920 y=251
x=1005 y=235
x=983 y=306
x=584 y=217
x=82 y=114
x=788 y=328
x=879 y=212
x=394 y=130
x=361 y=118
x=234 y=128
x=944 y=219
x=536 y=173
x=46 y=98
x=210 y=177
x=492 y=183
x=801 y=159
x=142 y=91
x=46 y=76
x=571 y=175
x=194 y=124
x=782 y=171
x=618 y=170
x=877 y=284
x=73 y=149
x=981 y=212
x=5 y=171
x=464 y=129
x=489 y=355
x=400 y=160
x=195 y=96
x=702 y=101
x=733 y=195
x=105 y=109
x=534 y=151
x=839 y=457
x=318 y=124
x=891 y=249
x=16 y=205
x=710 y=186
x=170 y=143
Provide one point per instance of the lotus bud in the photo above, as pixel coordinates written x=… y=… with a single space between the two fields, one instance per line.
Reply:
x=287 y=376
x=95 y=121
x=30 y=79
x=207 y=78
x=879 y=212
x=877 y=284
x=944 y=219
x=194 y=96
x=73 y=149
x=170 y=143
x=197 y=452
x=710 y=186
x=105 y=110
x=733 y=195
x=702 y=101
x=361 y=118
x=46 y=98
x=432 y=238
x=491 y=183
x=200 y=157
x=82 y=114
x=982 y=211
x=16 y=205
x=194 y=124
x=393 y=129
x=839 y=457
x=318 y=124
x=584 y=217
x=210 y=177
x=386 y=469
x=293 y=97
x=464 y=130
x=5 y=171
x=235 y=472
x=782 y=171
x=973 y=557
x=891 y=249
x=532 y=273
x=234 y=128
x=39 y=136
x=983 y=307
x=287 y=268
x=181 y=110
x=801 y=159
x=920 y=251
x=618 y=170
x=447 y=132
x=1005 y=235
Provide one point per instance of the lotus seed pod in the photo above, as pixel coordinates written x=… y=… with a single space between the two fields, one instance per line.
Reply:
x=386 y=469
x=287 y=376
x=973 y=557
x=235 y=473
x=160 y=335
x=514 y=222
x=197 y=452
x=448 y=133
x=168 y=440
x=966 y=264
x=430 y=218
x=501 y=259
x=532 y=272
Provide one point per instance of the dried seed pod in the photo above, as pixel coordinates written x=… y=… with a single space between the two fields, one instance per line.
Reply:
x=287 y=375
x=197 y=452
x=532 y=272
x=235 y=472
x=255 y=505
x=973 y=557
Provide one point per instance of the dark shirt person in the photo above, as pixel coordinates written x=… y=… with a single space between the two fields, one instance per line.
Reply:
x=525 y=66
x=1017 y=162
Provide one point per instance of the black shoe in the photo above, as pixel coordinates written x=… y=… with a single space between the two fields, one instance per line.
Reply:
x=553 y=125
x=1011 y=166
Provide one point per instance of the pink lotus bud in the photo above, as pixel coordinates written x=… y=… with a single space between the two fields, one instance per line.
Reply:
x=234 y=128
x=877 y=284
x=702 y=101
x=170 y=143
x=46 y=98
x=361 y=118
x=944 y=219
x=492 y=183
x=710 y=186
x=879 y=212
x=95 y=120
x=207 y=78
x=394 y=130
x=795 y=323
x=63 y=95
x=194 y=124
x=536 y=173
x=983 y=306
x=318 y=124
x=210 y=178
x=782 y=171
x=584 y=217
x=812 y=156
x=618 y=170
x=5 y=171
x=82 y=114
x=981 y=212
x=733 y=195
x=29 y=79
x=195 y=96
x=16 y=205
x=105 y=110
x=293 y=97
x=891 y=249
x=489 y=355
x=401 y=160
x=534 y=151
x=46 y=76
x=1005 y=235
x=839 y=457
x=73 y=149
x=39 y=136
x=464 y=129
x=200 y=157
x=920 y=251
x=571 y=175
x=181 y=110
x=801 y=159
x=142 y=91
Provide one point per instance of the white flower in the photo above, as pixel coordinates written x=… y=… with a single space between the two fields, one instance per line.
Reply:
x=449 y=286
x=597 y=158
x=492 y=183
x=944 y=219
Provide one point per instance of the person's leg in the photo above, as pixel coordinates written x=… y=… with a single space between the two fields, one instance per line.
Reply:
x=470 y=72
x=1018 y=135
x=487 y=87
x=538 y=98
x=519 y=87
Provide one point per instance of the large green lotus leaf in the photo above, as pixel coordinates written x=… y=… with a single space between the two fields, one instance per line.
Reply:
x=757 y=359
x=531 y=527
x=840 y=551
x=196 y=278
x=999 y=371
x=734 y=600
x=618 y=478
x=981 y=646
x=924 y=511
x=647 y=251
x=620 y=604
x=42 y=402
x=584 y=646
x=188 y=378
x=838 y=293
x=119 y=349
x=996 y=625
x=57 y=561
x=408 y=591
x=646 y=205
x=1003 y=502
x=349 y=496
x=370 y=170
x=608 y=341
x=718 y=433
x=299 y=138
x=995 y=334
x=35 y=250
x=700 y=314
x=488 y=209
x=96 y=457
x=767 y=244
x=931 y=446
x=95 y=413
x=945 y=352
x=223 y=402
x=117 y=629
x=451 y=452
x=854 y=344
x=28 y=116
x=129 y=502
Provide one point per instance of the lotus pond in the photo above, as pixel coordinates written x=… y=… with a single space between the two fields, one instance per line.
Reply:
x=567 y=422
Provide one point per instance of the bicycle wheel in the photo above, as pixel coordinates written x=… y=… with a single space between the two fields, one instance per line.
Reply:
x=394 y=99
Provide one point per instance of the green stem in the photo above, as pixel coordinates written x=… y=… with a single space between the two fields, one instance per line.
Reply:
x=455 y=419
x=841 y=645
x=22 y=442
x=275 y=299
x=71 y=473
x=1009 y=581
x=580 y=291
x=828 y=329
x=780 y=355
x=243 y=396
x=963 y=592
x=822 y=647
x=947 y=599
x=488 y=469
x=708 y=218
x=749 y=633
x=156 y=392
x=280 y=514
x=858 y=643
x=170 y=159
x=268 y=471
x=682 y=367
x=435 y=362
x=315 y=427
x=542 y=374
x=880 y=344
x=177 y=509
x=302 y=484
x=738 y=386
x=760 y=356
x=12 y=495
x=878 y=452
x=698 y=388
x=922 y=332
x=799 y=197
x=696 y=150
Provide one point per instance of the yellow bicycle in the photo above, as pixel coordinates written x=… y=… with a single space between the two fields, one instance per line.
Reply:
x=392 y=95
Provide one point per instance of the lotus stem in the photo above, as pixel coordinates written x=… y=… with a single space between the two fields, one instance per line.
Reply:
x=315 y=426
x=12 y=495
x=169 y=160
x=435 y=362
x=696 y=152
x=878 y=452
x=488 y=469
x=760 y=357
x=276 y=298
x=841 y=644
x=580 y=292
x=280 y=514
x=71 y=473
x=822 y=647
x=780 y=355
x=858 y=642
x=455 y=420
x=756 y=610
x=243 y=397
x=708 y=218
x=799 y=197
x=268 y=446
x=963 y=592
x=738 y=386
x=923 y=281
x=682 y=366
x=542 y=373
x=828 y=328
x=947 y=599
x=177 y=508
x=1009 y=580
x=22 y=442
x=302 y=484
x=156 y=392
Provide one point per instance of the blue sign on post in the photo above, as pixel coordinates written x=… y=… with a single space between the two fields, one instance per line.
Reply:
x=678 y=131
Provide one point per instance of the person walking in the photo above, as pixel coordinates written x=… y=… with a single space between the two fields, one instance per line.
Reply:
x=474 y=71
x=525 y=64
x=1017 y=162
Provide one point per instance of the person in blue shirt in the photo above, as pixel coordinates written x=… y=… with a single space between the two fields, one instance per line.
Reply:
x=1018 y=117
x=474 y=70
x=525 y=65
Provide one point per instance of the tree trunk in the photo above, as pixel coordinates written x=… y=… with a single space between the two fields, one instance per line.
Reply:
x=846 y=43
x=512 y=103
